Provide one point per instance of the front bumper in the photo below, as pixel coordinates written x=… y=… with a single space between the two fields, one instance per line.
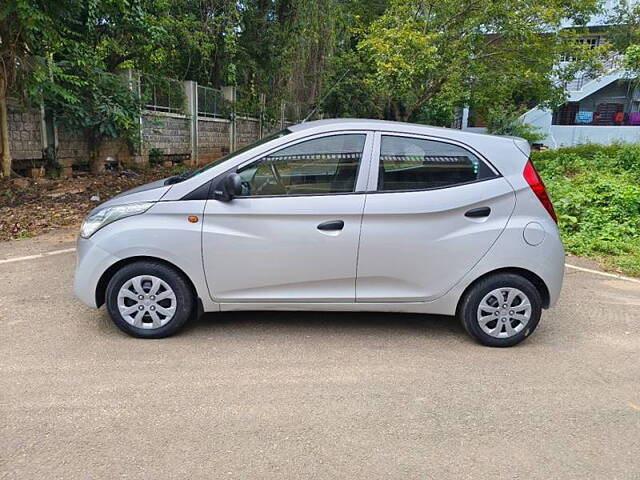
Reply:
x=91 y=262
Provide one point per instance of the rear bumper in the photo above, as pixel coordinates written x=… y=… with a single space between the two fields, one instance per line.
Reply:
x=551 y=268
x=91 y=263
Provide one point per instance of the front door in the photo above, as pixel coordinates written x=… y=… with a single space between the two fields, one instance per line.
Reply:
x=292 y=236
x=434 y=211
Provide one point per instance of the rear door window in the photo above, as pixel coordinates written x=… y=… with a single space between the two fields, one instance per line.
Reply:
x=409 y=163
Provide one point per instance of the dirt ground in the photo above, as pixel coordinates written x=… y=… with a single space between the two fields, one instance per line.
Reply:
x=30 y=207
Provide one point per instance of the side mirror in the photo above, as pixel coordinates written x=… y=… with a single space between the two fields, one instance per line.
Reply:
x=228 y=188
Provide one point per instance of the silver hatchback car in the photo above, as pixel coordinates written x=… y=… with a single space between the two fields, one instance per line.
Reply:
x=339 y=215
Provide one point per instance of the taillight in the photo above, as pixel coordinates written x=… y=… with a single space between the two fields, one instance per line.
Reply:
x=537 y=185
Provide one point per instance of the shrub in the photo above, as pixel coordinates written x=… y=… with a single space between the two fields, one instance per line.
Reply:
x=505 y=122
x=596 y=192
x=156 y=155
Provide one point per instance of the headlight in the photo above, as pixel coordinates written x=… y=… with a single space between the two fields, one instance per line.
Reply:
x=105 y=216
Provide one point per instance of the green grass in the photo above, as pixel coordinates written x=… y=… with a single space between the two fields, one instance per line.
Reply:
x=596 y=192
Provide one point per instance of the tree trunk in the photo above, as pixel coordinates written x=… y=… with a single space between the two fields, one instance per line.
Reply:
x=95 y=164
x=4 y=131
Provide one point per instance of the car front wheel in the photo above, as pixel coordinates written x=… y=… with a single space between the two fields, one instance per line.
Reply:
x=149 y=299
x=501 y=310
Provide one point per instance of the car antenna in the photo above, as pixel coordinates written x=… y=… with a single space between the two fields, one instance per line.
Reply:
x=313 y=110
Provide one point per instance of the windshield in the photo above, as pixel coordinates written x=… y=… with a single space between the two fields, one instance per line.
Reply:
x=231 y=155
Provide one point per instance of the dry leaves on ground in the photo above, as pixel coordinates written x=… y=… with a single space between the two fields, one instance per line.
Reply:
x=29 y=207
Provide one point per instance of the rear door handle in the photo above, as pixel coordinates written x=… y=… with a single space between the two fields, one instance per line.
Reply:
x=478 y=212
x=331 y=225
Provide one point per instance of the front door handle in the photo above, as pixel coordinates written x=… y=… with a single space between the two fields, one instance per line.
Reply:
x=478 y=212
x=331 y=225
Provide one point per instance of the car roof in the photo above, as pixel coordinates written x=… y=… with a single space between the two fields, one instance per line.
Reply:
x=329 y=124
x=472 y=138
x=365 y=123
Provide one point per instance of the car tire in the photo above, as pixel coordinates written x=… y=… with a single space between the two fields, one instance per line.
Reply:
x=149 y=299
x=501 y=310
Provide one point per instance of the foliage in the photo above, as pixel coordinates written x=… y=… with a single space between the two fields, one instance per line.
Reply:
x=397 y=59
x=507 y=122
x=86 y=98
x=596 y=193
x=625 y=15
x=156 y=155
x=632 y=59
x=103 y=106
x=503 y=51
x=26 y=28
x=625 y=37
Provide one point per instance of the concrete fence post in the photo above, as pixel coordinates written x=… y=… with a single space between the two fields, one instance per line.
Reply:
x=133 y=81
x=43 y=128
x=282 y=107
x=229 y=95
x=465 y=118
x=191 y=110
x=263 y=102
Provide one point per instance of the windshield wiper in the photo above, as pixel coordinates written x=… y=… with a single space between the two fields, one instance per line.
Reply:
x=178 y=178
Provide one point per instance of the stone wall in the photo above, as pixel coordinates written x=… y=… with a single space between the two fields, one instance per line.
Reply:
x=25 y=135
x=247 y=131
x=214 y=138
x=117 y=150
x=73 y=147
x=171 y=134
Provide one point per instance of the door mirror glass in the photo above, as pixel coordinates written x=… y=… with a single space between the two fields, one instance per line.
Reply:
x=228 y=188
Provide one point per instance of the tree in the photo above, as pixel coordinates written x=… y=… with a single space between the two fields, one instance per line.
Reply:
x=285 y=46
x=490 y=53
x=625 y=15
x=626 y=36
x=102 y=105
x=25 y=25
x=86 y=89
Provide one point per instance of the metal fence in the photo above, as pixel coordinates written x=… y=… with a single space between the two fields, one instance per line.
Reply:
x=169 y=96
x=162 y=94
x=211 y=103
x=612 y=63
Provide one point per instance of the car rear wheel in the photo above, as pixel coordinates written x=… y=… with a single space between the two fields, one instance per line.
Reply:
x=501 y=310
x=149 y=300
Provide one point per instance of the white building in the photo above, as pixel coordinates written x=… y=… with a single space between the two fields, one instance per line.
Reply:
x=600 y=109
x=605 y=110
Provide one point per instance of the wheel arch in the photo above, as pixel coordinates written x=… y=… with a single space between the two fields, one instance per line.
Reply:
x=528 y=274
x=106 y=276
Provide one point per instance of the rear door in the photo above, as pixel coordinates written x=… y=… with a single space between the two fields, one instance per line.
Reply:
x=292 y=236
x=433 y=210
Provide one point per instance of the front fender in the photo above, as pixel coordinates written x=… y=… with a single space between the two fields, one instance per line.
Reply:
x=162 y=232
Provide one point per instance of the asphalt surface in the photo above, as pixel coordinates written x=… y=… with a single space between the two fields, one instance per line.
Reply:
x=313 y=395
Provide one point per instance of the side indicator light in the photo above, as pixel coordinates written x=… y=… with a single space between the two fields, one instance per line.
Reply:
x=193 y=219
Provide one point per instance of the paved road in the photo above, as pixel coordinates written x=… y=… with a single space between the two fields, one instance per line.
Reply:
x=291 y=395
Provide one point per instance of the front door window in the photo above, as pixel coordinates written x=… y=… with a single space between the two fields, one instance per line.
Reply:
x=320 y=166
